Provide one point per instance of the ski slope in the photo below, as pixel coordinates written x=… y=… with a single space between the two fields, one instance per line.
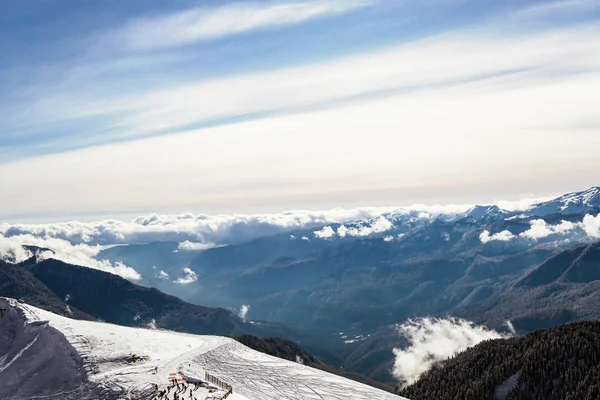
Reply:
x=123 y=363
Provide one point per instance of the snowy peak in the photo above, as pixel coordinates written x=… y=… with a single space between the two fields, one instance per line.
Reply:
x=478 y=212
x=587 y=201
x=590 y=197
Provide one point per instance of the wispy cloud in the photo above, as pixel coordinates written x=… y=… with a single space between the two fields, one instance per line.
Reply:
x=503 y=236
x=188 y=277
x=244 y=311
x=451 y=59
x=11 y=248
x=433 y=340
x=210 y=23
x=436 y=112
x=557 y=9
x=163 y=275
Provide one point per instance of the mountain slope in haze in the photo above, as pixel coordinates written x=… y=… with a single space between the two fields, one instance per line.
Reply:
x=559 y=363
x=587 y=201
x=563 y=288
x=83 y=292
x=159 y=263
x=18 y=282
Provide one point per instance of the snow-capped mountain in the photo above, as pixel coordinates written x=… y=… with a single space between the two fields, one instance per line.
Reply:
x=587 y=201
x=43 y=354
x=488 y=212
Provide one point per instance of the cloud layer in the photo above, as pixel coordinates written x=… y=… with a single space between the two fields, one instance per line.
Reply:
x=540 y=229
x=193 y=231
x=11 y=248
x=379 y=225
x=433 y=340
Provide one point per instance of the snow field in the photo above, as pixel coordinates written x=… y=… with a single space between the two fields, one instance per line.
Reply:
x=132 y=361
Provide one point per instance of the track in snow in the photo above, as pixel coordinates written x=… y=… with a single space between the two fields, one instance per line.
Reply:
x=115 y=362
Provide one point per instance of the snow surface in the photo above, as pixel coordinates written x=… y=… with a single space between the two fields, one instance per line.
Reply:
x=569 y=204
x=108 y=351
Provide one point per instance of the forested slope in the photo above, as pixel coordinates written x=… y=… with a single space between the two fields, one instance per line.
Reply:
x=558 y=363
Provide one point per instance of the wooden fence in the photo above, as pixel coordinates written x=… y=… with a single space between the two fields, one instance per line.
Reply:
x=216 y=381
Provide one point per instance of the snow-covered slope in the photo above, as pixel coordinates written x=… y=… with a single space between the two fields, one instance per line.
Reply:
x=123 y=362
x=571 y=203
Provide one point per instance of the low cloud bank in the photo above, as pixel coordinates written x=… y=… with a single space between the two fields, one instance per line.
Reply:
x=540 y=229
x=189 y=229
x=11 y=249
x=194 y=231
x=80 y=242
x=379 y=225
x=432 y=340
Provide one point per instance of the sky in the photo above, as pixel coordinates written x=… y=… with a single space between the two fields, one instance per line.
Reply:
x=116 y=109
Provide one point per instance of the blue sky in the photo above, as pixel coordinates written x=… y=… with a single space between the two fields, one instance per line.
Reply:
x=119 y=107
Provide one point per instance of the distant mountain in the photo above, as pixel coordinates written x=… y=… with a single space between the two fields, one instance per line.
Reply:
x=344 y=285
x=87 y=293
x=159 y=263
x=478 y=213
x=585 y=202
x=17 y=281
x=362 y=286
x=559 y=363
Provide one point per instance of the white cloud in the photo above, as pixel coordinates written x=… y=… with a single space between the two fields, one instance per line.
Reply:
x=560 y=8
x=433 y=340
x=522 y=204
x=210 y=23
x=78 y=254
x=189 y=277
x=194 y=246
x=379 y=225
x=163 y=275
x=511 y=328
x=591 y=226
x=196 y=232
x=503 y=236
x=540 y=229
x=244 y=311
x=533 y=78
x=325 y=233
x=437 y=60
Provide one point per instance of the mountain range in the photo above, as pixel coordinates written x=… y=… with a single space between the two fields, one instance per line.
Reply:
x=340 y=289
x=362 y=278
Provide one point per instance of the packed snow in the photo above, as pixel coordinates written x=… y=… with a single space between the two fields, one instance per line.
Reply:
x=128 y=363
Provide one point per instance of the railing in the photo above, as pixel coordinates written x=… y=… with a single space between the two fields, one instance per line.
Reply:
x=216 y=381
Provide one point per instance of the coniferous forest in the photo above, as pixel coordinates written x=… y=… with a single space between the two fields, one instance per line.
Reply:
x=558 y=363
